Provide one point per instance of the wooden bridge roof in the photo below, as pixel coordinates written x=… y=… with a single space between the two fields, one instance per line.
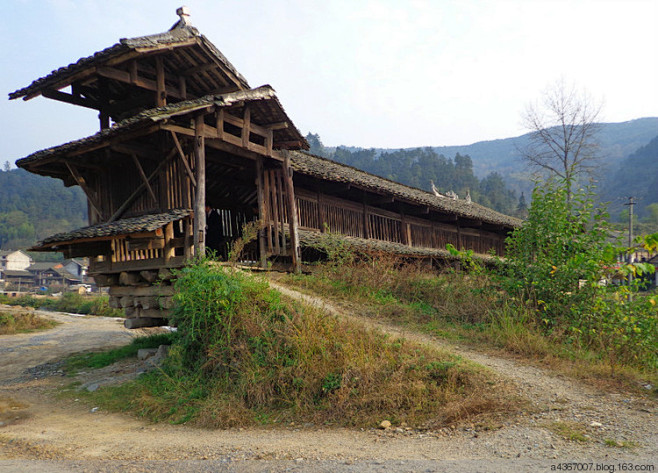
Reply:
x=267 y=109
x=326 y=169
x=105 y=79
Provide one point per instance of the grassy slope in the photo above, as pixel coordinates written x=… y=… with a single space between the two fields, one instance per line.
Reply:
x=246 y=355
x=463 y=307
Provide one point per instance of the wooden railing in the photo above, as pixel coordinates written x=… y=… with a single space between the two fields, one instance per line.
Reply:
x=320 y=213
x=168 y=247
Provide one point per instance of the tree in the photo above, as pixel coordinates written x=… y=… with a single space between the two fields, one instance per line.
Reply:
x=7 y=166
x=522 y=207
x=652 y=210
x=316 y=146
x=563 y=139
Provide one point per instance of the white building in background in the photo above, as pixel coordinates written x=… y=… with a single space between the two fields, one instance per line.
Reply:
x=14 y=260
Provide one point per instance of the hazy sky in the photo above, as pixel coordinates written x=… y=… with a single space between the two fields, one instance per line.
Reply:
x=389 y=73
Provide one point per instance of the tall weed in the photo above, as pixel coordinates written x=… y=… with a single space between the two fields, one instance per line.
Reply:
x=244 y=354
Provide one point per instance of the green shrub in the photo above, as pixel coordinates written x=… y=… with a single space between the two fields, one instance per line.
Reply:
x=243 y=354
x=557 y=265
x=106 y=358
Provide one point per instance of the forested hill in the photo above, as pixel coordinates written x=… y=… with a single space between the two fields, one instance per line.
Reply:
x=636 y=176
x=493 y=169
x=33 y=207
x=616 y=140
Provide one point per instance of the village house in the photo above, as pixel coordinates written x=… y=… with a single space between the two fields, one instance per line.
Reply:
x=52 y=275
x=14 y=260
x=180 y=129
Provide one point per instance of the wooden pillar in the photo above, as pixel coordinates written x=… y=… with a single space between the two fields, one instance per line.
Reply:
x=104 y=120
x=366 y=219
x=200 y=197
x=460 y=244
x=292 y=213
x=161 y=93
x=403 y=228
x=262 y=213
x=246 y=127
x=321 y=216
x=168 y=250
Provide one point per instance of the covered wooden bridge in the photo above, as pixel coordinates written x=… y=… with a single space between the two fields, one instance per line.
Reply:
x=180 y=128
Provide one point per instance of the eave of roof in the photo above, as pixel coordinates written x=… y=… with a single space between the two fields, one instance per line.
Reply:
x=326 y=169
x=321 y=240
x=161 y=114
x=178 y=36
x=144 y=223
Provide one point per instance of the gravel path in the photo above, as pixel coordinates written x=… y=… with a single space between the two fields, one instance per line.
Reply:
x=47 y=434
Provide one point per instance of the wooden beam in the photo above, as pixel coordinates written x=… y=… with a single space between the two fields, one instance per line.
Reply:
x=147 y=152
x=86 y=250
x=210 y=133
x=197 y=69
x=200 y=200
x=161 y=97
x=144 y=178
x=262 y=250
x=104 y=119
x=124 y=76
x=288 y=144
x=292 y=214
x=72 y=99
x=220 y=123
x=134 y=74
x=382 y=200
x=181 y=154
x=276 y=126
x=91 y=196
x=246 y=126
x=182 y=87
x=170 y=251
x=139 y=190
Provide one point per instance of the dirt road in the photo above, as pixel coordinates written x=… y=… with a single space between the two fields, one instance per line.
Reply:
x=41 y=432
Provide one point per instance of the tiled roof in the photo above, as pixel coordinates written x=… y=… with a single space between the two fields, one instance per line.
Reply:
x=178 y=35
x=326 y=169
x=17 y=273
x=145 y=223
x=265 y=94
x=320 y=240
x=44 y=266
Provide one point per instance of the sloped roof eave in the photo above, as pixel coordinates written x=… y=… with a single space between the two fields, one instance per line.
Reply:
x=323 y=168
x=144 y=223
x=176 y=37
x=149 y=117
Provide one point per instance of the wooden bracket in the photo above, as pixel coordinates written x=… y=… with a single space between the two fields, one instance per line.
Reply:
x=141 y=188
x=83 y=185
x=190 y=174
x=144 y=178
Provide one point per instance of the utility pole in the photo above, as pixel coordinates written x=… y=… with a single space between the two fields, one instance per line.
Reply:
x=631 y=203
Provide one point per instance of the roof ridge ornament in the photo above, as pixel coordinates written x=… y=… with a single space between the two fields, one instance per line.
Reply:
x=184 y=14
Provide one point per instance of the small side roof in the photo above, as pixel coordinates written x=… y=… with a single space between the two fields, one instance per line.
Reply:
x=144 y=223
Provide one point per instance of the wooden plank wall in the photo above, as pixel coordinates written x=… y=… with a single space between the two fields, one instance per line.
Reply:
x=319 y=212
x=170 y=247
x=276 y=212
x=171 y=186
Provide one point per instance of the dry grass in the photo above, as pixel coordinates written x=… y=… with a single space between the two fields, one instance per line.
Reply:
x=22 y=322
x=12 y=410
x=464 y=307
x=247 y=355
